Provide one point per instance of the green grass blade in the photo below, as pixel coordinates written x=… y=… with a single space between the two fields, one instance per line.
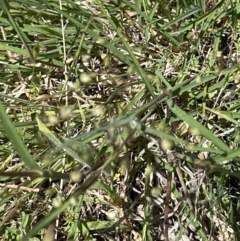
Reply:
x=198 y=126
x=182 y=17
x=129 y=50
x=22 y=36
x=14 y=137
x=79 y=151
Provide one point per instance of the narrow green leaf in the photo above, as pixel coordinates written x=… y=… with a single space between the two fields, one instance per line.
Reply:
x=4 y=5
x=195 y=124
x=130 y=51
x=182 y=17
x=36 y=50
x=79 y=151
x=13 y=49
x=13 y=136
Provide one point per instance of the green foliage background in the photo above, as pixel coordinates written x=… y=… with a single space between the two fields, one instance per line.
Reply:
x=119 y=120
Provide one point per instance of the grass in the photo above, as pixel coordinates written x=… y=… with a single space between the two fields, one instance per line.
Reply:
x=119 y=120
